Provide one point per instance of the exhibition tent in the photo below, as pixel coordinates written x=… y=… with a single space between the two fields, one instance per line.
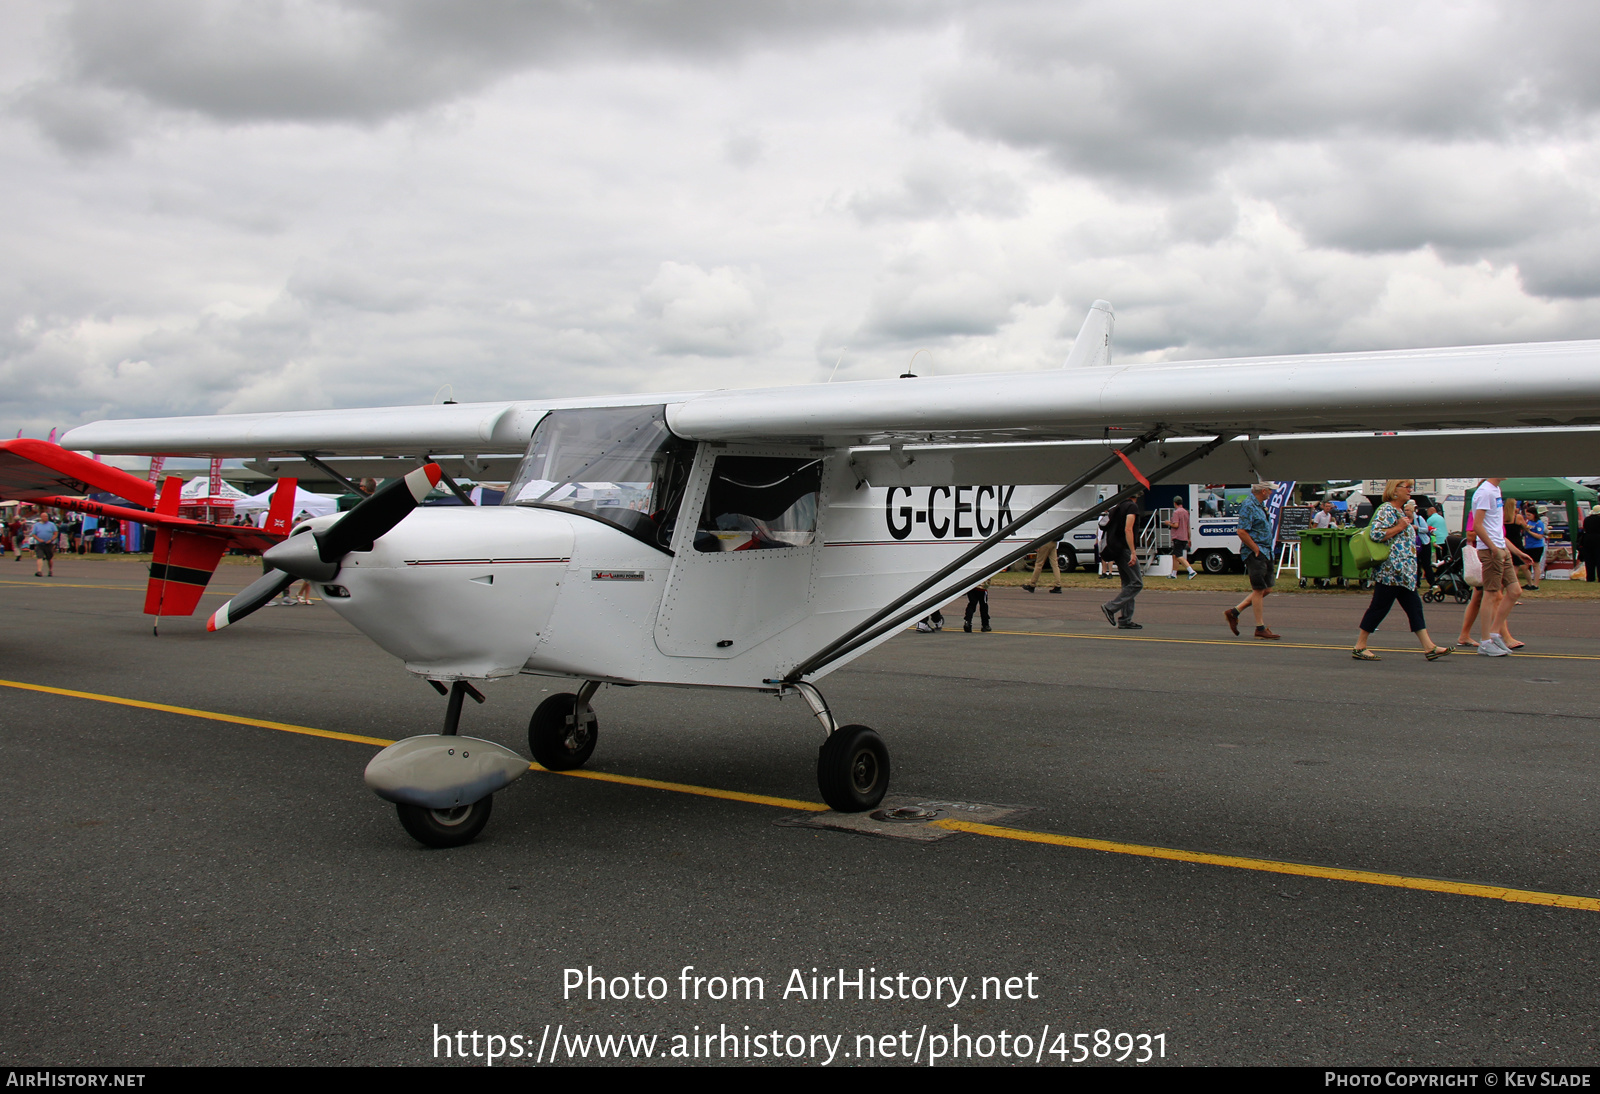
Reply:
x=305 y=502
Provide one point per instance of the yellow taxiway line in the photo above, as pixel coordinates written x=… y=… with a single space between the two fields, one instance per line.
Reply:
x=1237 y=862
x=209 y=715
x=1275 y=866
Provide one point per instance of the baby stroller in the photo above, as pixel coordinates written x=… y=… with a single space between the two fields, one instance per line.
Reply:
x=1450 y=575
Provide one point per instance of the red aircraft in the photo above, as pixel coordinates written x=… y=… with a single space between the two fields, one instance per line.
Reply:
x=186 y=551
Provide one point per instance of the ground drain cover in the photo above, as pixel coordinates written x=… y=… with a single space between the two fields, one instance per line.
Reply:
x=904 y=817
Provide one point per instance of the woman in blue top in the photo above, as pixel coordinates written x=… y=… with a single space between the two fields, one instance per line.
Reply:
x=1533 y=540
x=1396 y=576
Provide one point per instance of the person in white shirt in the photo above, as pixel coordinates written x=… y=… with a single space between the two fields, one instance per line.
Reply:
x=1500 y=589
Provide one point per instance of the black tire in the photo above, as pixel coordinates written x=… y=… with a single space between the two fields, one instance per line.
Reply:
x=1215 y=562
x=446 y=827
x=1068 y=559
x=853 y=769
x=555 y=744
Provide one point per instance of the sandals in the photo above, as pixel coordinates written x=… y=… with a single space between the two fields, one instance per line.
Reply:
x=1438 y=652
x=1366 y=655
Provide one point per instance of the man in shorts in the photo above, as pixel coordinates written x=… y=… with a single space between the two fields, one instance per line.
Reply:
x=1500 y=589
x=1180 y=538
x=43 y=537
x=1255 y=541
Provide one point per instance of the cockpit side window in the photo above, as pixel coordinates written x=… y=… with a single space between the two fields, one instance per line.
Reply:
x=757 y=503
x=620 y=465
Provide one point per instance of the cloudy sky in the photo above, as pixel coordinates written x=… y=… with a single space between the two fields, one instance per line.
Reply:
x=213 y=205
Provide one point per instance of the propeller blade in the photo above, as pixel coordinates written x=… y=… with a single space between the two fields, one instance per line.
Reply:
x=375 y=516
x=263 y=589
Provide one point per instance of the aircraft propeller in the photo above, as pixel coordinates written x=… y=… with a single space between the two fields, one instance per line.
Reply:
x=315 y=556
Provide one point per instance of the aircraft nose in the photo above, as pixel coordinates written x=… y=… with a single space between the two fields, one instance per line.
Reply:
x=458 y=592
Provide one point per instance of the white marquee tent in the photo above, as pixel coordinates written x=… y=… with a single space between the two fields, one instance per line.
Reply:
x=305 y=502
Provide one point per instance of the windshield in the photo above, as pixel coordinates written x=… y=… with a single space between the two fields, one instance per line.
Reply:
x=620 y=465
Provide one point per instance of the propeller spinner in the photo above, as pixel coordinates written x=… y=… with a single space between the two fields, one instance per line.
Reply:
x=316 y=556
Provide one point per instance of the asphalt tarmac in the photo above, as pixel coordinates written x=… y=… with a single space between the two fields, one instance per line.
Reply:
x=182 y=890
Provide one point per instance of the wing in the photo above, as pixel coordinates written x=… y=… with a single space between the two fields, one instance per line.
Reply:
x=33 y=470
x=1476 y=387
x=1539 y=386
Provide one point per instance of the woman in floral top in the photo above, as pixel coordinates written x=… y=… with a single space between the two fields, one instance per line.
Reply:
x=1396 y=576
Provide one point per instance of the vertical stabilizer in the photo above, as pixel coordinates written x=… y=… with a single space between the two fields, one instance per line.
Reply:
x=1093 y=346
x=280 y=515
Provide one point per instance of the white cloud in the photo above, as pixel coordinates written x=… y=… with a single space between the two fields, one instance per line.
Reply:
x=718 y=313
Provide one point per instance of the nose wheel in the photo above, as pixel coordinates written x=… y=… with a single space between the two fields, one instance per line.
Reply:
x=446 y=827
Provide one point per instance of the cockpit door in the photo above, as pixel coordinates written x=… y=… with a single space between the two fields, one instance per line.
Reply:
x=745 y=549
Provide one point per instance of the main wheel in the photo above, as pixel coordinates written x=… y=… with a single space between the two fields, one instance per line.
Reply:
x=446 y=827
x=1215 y=562
x=555 y=742
x=1068 y=559
x=853 y=769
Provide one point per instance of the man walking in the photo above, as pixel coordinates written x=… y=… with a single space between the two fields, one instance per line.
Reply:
x=1180 y=538
x=1255 y=540
x=978 y=601
x=1046 y=553
x=1500 y=589
x=1120 y=538
x=43 y=536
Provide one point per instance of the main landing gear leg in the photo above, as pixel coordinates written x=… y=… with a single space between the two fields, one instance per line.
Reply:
x=853 y=762
x=563 y=731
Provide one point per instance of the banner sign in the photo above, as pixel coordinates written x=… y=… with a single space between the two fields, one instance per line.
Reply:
x=1275 y=504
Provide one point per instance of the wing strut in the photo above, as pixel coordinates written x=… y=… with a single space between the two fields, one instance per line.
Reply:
x=330 y=472
x=466 y=499
x=897 y=613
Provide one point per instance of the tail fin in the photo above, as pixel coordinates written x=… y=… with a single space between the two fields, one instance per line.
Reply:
x=171 y=495
x=1093 y=346
x=281 y=513
x=180 y=569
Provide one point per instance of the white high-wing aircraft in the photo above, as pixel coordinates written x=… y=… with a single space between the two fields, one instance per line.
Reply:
x=759 y=539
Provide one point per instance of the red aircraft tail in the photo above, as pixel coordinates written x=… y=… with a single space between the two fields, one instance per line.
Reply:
x=180 y=568
x=182 y=561
x=281 y=513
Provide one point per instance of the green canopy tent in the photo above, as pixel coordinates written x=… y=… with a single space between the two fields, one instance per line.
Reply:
x=1554 y=490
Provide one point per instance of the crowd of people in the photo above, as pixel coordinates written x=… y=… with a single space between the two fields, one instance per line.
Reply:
x=44 y=535
x=1506 y=539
